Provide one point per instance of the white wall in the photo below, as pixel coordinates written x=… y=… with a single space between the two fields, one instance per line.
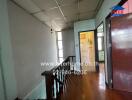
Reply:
x=2 y=94
x=85 y=25
x=7 y=64
x=100 y=17
x=32 y=44
x=68 y=43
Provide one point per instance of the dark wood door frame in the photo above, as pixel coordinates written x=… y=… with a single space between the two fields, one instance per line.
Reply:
x=109 y=51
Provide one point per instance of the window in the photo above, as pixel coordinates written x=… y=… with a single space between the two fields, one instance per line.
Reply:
x=60 y=46
x=100 y=43
x=100 y=35
x=59 y=34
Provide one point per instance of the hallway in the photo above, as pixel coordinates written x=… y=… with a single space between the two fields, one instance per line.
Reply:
x=91 y=87
x=42 y=44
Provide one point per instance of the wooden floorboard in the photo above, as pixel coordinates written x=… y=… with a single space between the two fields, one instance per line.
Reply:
x=91 y=87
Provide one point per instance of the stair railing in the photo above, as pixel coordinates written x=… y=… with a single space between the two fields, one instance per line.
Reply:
x=56 y=77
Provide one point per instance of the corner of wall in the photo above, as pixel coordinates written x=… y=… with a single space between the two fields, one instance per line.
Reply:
x=6 y=54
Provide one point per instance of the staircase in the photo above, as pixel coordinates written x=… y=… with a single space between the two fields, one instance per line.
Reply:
x=58 y=78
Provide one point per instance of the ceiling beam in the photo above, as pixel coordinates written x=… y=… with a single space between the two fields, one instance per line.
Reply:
x=58 y=5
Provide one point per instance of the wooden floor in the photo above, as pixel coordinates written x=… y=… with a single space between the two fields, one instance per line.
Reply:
x=91 y=87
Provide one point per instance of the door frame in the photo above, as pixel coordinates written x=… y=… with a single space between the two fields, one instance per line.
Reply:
x=103 y=43
x=104 y=48
x=95 y=43
x=109 y=51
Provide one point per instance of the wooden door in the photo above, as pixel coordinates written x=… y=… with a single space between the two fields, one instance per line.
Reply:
x=121 y=32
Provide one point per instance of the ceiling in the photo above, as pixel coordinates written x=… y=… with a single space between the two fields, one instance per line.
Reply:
x=60 y=14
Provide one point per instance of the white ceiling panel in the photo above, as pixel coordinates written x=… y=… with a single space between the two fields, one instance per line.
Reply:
x=48 y=23
x=59 y=21
x=56 y=26
x=60 y=13
x=70 y=10
x=66 y=2
x=88 y=5
x=42 y=16
x=55 y=14
x=86 y=9
x=92 y=3
x=84 y=16
x=72 y=18
x=28 y=5
x=45 y=4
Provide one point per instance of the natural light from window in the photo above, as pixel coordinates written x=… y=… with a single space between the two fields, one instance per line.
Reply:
x=60 y=47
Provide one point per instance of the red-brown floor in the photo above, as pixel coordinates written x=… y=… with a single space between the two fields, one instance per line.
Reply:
x=91 y=87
